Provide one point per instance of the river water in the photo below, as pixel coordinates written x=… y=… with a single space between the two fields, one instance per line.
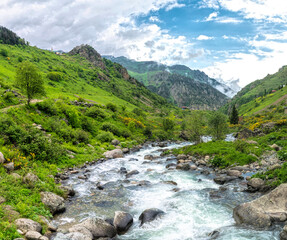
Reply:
x=195 y=209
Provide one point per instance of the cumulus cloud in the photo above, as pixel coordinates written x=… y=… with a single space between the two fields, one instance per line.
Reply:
x=204 y=37
x=215 y=18
x=107 y=25
x=270 y=10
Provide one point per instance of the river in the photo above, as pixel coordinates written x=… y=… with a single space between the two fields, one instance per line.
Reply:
x=194 y=207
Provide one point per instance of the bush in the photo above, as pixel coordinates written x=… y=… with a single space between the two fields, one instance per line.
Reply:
x=241 y=146
x=282 y=155
x=8 y=97
x=105 y=137
x=168 y=124
x=4 y=52
x=82 y=136
x=96 y=113
x=218 y=162
x=161 y=135
x=147 y=132
x=55 y=76
x=109 y=127
x=138 y=112
x=20 y=59
x=111 y=107
x=47 y=106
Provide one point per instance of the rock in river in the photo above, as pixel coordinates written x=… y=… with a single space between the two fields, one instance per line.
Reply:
x=116 y=153
x=150 y=214
x=122 y=221
x=265 y=210
x=26 y=225
x=99 y=227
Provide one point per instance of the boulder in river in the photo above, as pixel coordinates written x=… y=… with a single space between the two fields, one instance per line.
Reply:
x=265 y=210
x=283 y=234
x=122 y=221
x=224 y=179
x=133 y=172
x=183 y=166
x=26 y=225
x=233 y=173
x=80 y=229
x=150 y=214
x=255 y=184
x=54 y=202
x=99 y=227
x=149 y=157
x=116 y=153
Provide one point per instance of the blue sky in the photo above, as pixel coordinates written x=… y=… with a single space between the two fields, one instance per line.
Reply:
x=231 y=40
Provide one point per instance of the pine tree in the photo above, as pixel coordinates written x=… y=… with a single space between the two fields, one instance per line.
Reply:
x=234 y=116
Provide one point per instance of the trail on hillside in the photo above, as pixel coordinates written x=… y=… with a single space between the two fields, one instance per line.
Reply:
x=274 y=103
x=18 y=105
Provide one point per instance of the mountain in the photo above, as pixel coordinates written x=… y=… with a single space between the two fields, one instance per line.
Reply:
x=142 y=71
x=260 y=94
x=178 y=83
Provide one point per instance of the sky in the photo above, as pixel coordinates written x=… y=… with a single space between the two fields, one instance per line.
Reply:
x=230 y=40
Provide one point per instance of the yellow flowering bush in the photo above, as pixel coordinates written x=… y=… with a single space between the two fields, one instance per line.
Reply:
x=19 y=160
x=132 y=121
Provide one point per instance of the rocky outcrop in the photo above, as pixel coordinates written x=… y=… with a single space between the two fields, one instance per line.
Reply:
x=54 y=202
x=122 y=221
x=25 y=225
x=265 y=210
x=150 y=214
x=116 y=153
x=99 y=228
x=88 y=52
x=255 y=184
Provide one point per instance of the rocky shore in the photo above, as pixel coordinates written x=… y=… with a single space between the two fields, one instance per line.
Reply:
x=261 y=213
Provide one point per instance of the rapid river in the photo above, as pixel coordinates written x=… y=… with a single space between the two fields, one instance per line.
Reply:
x=194 y=207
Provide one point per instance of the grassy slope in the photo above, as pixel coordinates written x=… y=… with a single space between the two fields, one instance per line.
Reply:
x=68 y=127
x=257 y=89
x=80 y=77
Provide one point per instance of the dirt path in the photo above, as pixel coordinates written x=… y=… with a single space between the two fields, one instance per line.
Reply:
x=22 y=104
x=274 y=103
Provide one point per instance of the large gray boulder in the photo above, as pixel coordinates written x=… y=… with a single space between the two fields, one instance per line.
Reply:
x=122 y=221
x=26 y=225
x=9 y=167
x=99 y=228
x=82 y=230
x=265 y=210
x=78 y=236
x=116 y=153
x=255 y=184
x=55 y=203
x=33 y=235
x=150 y=214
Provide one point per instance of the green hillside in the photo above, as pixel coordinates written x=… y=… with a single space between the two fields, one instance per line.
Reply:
x=258 y=94
x=77 y=76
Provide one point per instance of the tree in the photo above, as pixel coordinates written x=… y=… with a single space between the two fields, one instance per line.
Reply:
x=234 y=116
x=195 y=126
x=218 y=125
x=30 y=81
x=168 y=124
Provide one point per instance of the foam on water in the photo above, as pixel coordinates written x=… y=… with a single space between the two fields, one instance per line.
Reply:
x=190 y=213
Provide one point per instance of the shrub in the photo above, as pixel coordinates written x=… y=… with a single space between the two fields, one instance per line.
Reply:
x=241 y=146
x=161 y=135
x=8 y=97
x=20 y=59
x=109 y=127
x=147 y=132
x=138 y=112
x=47 y=106
x=82 y=136
x=168 y=124
x=111 y=107
x=218 y=162
x=96 y=113
x=282 y=155
x=105 y=137
x=4 y=52
x=55 y=76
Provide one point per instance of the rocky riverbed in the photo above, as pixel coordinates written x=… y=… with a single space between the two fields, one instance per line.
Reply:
x=194 y=200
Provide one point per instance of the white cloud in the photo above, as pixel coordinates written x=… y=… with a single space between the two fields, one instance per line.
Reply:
x=248 y=67
x=175 y=5
x=107 y=25
x=212 y=16
x=204 y=37
x=154 y=19
x=270 y=10
x=215 y=18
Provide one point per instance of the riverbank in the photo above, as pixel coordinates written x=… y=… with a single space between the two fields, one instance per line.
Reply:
x=189 y=198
